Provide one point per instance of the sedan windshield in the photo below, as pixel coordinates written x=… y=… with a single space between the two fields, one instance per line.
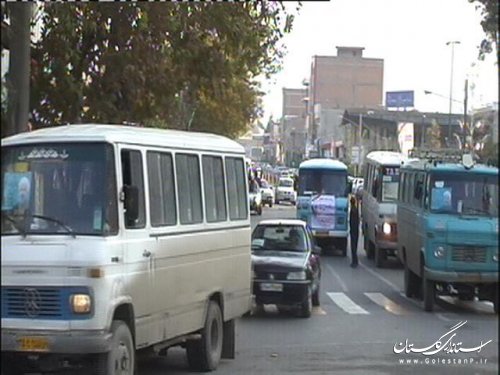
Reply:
x=59 y=188
x=279 y=237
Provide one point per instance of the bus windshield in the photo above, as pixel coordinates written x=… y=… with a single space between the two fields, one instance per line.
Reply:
x=323 y=182
x=464 y=193
x=59 y=188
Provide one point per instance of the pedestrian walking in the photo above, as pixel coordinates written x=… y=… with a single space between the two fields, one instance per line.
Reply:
x=354 y=230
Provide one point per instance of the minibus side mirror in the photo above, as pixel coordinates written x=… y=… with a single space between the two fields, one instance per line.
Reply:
x=131 y=202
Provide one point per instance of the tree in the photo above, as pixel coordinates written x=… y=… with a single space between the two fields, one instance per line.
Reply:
x=16 y=107
x=190 y=65
x=433 y=136
x=489 y=23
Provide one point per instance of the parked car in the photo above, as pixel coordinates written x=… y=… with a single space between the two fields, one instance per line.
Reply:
x=267 y=192
x=285 y=191
x=286 y=266
x=255 y=197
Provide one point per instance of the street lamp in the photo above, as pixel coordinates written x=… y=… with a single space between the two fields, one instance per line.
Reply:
x=452 y=43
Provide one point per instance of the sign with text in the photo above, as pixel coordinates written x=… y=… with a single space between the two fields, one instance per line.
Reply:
x=399 y=99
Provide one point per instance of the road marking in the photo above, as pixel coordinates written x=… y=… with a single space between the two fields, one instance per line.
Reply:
x=339 y=280
x=346 y=304
x=380 y=277
x=387 y=303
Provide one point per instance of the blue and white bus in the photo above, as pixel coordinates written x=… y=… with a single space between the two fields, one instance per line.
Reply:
x=322 y=201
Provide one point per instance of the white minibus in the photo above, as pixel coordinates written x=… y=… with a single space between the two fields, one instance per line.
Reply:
x=379 y=203
x=120 y=240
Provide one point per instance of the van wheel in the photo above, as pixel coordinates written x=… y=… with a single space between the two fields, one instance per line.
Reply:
x=343 y=246
x=411 y=282
x=380 y=257
x=428 y=292
x=370 y=253
x=121 y=359
x=205 y=354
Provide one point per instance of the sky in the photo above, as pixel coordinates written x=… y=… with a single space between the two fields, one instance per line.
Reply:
x=411 y=37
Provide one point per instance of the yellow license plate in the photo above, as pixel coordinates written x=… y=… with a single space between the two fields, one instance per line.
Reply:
x=33 y=344
x=321 y=234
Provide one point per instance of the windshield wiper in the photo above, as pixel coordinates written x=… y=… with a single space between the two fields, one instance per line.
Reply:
x=53 y=220
x=474 y=210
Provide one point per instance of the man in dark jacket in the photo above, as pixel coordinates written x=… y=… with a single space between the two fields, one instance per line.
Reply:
x=354 y=231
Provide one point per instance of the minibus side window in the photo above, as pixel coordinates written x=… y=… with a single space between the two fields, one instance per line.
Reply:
x=161 y=189
x=187 y=168
x=214 y=189
x=402 y=179
x=237 y=195
x=133 y=175
x=418 y=190
x=407 y=188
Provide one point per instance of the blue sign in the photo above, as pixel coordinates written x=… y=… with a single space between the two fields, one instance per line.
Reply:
x=399 y=99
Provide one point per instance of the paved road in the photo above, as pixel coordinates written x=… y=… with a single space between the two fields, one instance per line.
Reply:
x=363 y=317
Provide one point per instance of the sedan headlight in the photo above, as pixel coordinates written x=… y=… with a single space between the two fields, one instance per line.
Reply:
x=81 y=303
x=386 y=228
x=439 y=252
x=301 y=275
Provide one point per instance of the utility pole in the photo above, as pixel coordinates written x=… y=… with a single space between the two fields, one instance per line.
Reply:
x=467 y=128
x=451 y=87
x=360 y=134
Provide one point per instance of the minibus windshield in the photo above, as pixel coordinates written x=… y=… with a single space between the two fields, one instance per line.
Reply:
x=464 y=193
x=390 y=183
x=320 y=181
x=59 y=188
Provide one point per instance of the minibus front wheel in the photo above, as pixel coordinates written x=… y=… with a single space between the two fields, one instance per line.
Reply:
x=428 y=292
x=205 y=354
x=121 y=358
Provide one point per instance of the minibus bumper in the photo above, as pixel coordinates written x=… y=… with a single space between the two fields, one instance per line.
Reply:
x=330 y=233
x=74 y=342
x=387 y=245
x=463 y=277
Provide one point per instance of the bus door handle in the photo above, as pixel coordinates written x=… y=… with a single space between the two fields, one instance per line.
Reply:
x=146 y=253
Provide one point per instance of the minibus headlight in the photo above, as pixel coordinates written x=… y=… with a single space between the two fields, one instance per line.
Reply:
x=386 y=228
x=495 y=257
x=439 y=252
x=81 y=303
x=301 y=275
